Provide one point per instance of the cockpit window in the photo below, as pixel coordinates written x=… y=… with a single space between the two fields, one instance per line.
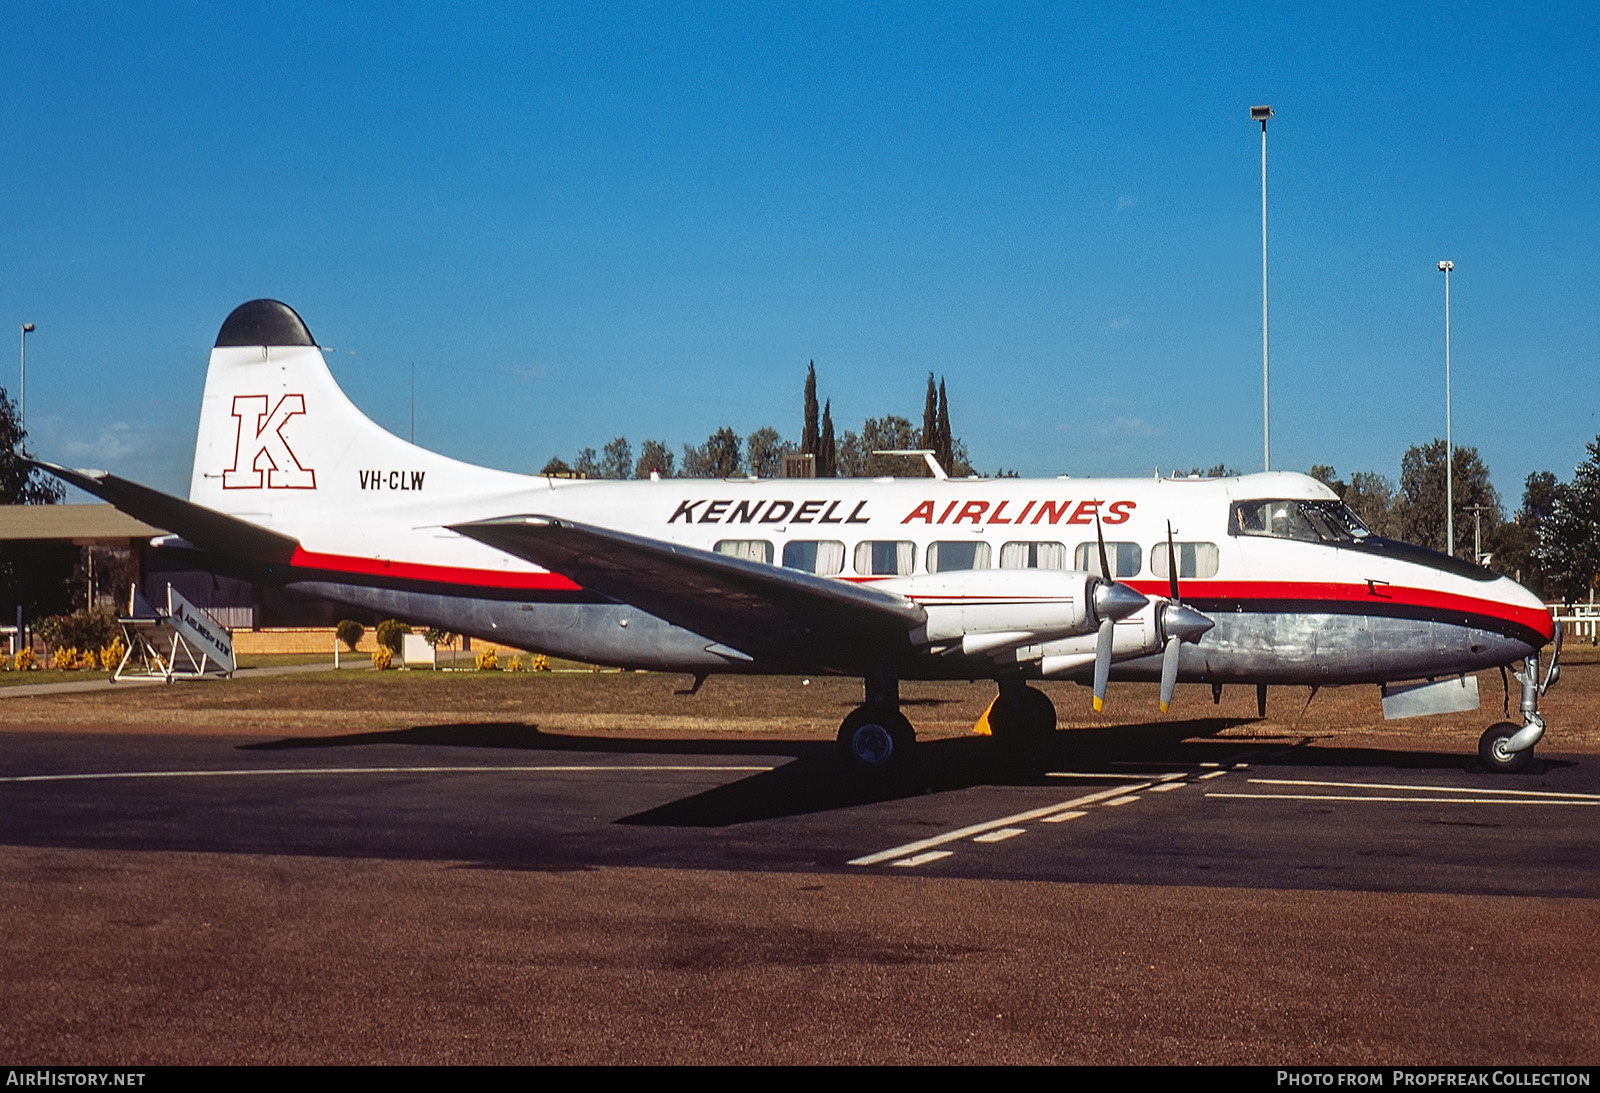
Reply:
x=1308 y=521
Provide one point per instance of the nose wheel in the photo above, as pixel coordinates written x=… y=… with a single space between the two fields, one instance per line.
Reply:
x=1495 y=753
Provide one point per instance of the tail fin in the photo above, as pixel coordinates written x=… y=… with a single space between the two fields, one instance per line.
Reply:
x=280 y=444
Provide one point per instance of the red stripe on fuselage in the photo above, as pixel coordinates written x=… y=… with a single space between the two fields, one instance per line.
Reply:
x=432 y=574
x=1535 y=619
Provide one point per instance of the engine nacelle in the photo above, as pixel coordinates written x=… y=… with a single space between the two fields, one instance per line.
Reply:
x=1013 y=605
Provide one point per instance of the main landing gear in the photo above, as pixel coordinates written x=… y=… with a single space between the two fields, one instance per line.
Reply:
x=1506 y=747
x=876 y=738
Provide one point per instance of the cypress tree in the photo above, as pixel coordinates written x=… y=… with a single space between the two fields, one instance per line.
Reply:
x=808 y=431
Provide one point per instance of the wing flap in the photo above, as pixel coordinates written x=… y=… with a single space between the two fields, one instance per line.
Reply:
x=761 y=609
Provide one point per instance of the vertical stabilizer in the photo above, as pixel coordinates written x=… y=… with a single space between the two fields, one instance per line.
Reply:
x=281 y=445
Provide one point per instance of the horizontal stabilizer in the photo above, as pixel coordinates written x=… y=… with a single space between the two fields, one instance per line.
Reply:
x=205 y=528
x=752 y=606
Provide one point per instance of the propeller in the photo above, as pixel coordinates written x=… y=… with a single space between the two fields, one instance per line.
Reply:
x=1113 y=600
x=1178 y=623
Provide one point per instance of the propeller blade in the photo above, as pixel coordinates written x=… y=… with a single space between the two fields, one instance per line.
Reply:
x=1102 y=663
x=1100 y=536
x=1172 y=567
x=1169 y=672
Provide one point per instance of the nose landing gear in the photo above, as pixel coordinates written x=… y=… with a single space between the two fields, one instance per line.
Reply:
x=1505 y=747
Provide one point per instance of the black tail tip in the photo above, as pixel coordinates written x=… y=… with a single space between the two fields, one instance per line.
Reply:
x=264 y=322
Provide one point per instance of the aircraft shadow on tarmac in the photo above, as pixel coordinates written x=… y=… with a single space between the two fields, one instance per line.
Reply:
x=815 y=781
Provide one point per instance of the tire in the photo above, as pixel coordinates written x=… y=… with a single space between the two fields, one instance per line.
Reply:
x=874 y=741
x=1027 y=719
x=1493 y=754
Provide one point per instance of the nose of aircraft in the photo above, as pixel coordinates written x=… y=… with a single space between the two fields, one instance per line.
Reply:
x=1115 y=600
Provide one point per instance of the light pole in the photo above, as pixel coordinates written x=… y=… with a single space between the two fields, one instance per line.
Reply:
x=1261 y=114
x=22 y=396
x=1445 y=267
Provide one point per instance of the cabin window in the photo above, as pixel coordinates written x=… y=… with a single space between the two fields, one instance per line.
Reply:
x=755 y=550
x=961 y=554
x=1194 y=559
x=1033 y=556
x=824 y=557
x=1125 y=558
x=885 y=558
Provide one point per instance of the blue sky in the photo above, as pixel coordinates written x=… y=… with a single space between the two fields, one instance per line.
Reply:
x=580 y=221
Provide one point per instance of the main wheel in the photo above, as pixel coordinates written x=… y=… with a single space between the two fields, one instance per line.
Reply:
x=875 y=740
x=1023 y=716
x=1494 y=754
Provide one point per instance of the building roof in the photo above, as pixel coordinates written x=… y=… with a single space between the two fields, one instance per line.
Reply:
x=81 y=524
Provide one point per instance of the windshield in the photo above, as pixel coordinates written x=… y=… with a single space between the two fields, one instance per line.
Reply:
x=1308 y=521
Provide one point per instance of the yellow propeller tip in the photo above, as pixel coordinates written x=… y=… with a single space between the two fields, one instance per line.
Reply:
x=1097 y=705
x=1163 y=707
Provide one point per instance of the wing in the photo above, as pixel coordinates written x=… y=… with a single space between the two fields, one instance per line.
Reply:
x=760 y=610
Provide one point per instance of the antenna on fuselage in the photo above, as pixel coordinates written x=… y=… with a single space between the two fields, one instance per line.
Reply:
x=927 y=455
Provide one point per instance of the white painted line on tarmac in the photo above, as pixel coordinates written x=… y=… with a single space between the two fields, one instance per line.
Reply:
x=1128 y=800
x=1166 y=787
x=1399 y=800
x=1063 y=817
x=990 y=825
x=1428 y=789
x=1213 y=774
x=922 y=859
x=1103 y=774
x=552 y=769
x=999 y=836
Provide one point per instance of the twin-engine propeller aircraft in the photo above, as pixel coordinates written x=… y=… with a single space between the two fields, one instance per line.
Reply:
x=1261 y=579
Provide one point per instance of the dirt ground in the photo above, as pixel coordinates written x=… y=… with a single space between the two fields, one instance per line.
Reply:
x=648 y=704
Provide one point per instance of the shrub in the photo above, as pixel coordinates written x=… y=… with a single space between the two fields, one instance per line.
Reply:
x=112 y=655
x=25 y=660
x=516 y=664
x=391 y=635
x=541 y=663
x=64 y=657
x=349 y=631
x=381 y=657
x=487 y=661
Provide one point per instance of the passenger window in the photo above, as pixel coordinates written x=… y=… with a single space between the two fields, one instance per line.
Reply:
x=1033 y=556
x=1125 y=558
x=1194 y=559
x=824 y=557
x=755 y=550
x=885 y=558
x=962 y=554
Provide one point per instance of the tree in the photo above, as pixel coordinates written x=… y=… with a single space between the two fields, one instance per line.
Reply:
x=653 y=456
x=827 y=449
x=1516 y=549
x=718 y=457
x=616 y=461
x=945 y=450
x=557 y=467
x=587 y=465
x=764 y=451
x=21 y=484
x=887 y=433
x=1569 y=538
x=810 y=433
x=930 y=419
x=1421 y=504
